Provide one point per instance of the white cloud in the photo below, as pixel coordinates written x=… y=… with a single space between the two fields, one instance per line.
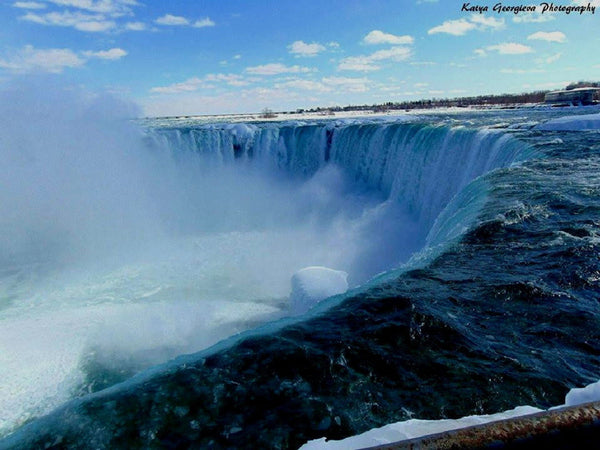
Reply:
x=231 y=79
x=358 y=63
x=171 y=20
x=301 y=48
x=53 y=60
x=29 y=5
x=461 y=27
x=206 y=22
x=458 y=27
x=189 y=85
x=333 y=44
x=82 y=15
x=305 y=85
x=480 y=52
x=550 y=59
x=510 y=48
x=521 y=71
x=276 y=69
x=207 y=82
x=393 y=54
x=553 y=36
x=488 y=22
x=114 y=8
x=379 y=37
x=422 y=63
x=79 y=21
x=95 y=26
x=533 y=18
x=369 y=62
x=112 y=54
x=237 y=56
x=327 y=84
x=135 y=26
x=347 y=83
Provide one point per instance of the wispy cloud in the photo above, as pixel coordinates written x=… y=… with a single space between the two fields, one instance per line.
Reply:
x=368 y=63
x=460 y=27
x=135 y=26
x=206 y=22
x=505 y=48
x=171 y=20
x=189 y=85
x=328 y=84
x=379 y=37
x=550 y=59
x=209 y=81
x=533 y=18
x=305 y=85
x=301 y=48
x=422 y=63
x=78 y=20
x=553 y=36
x=348 y=83
x=230 y=78
x=486 y=22
x=112 y=54
x=83 y=15
x=358 y=64
x=276 y=69
x=521 y=71
x=53 y=60
x=29 y=5
x=115 y=8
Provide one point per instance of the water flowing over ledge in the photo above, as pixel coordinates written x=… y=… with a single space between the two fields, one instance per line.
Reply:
x=419 y=165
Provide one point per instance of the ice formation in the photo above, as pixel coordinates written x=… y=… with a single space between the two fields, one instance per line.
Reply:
x=313 y=284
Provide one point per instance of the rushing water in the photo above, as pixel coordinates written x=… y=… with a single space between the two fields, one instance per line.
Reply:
x=470 y=241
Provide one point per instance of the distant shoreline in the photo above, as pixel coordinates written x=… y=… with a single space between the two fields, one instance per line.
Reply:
x=323 y=115
x=489 y=101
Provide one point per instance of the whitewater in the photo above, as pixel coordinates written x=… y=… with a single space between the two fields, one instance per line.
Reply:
x=169 y=282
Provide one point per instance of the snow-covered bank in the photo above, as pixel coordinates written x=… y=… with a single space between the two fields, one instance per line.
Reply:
x=572 y=123
x=416 y=428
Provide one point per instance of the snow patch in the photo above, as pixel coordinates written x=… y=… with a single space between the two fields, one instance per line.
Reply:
x=411 y=429
x=578 y=396
x=572 y=123
x=416 y=428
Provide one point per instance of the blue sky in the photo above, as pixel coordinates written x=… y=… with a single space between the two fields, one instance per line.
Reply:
x=227 y=56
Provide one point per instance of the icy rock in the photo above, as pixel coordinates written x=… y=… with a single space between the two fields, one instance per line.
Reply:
x=313 y=284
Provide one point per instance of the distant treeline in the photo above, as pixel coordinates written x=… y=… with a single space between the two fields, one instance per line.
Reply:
x=480 y=100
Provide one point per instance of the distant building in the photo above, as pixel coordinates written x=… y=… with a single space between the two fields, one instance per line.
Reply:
x=579 y=96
